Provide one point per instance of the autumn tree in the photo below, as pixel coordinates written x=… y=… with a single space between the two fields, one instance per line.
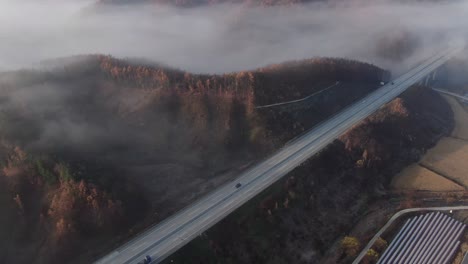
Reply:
x=371 y=257
x=350 y=246
x=380 y=245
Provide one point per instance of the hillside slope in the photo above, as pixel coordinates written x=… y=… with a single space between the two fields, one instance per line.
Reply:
x=299 y=219
x=95 y=148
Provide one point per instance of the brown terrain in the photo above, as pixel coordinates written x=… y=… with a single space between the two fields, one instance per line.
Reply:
x=444 y=167
x=416 y=177
x=94 y=149
x=300 y=218
x=438 y=178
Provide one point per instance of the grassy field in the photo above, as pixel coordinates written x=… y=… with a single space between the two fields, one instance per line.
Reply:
x=444 y=167
x=416 y=177
x=449 y=158
x=461 y=119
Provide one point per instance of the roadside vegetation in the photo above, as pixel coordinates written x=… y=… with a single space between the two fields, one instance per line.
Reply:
x=94 y=148
x=443 y=168
x=436 y=179
x=300 y=218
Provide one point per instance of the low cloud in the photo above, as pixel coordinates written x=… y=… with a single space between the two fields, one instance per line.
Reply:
x=222 y=38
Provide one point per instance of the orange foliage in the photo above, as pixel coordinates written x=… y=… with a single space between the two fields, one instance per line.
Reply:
x=81 y=205
x=239 y=85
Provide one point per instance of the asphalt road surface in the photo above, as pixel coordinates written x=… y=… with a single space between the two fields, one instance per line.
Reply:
x=163 y=239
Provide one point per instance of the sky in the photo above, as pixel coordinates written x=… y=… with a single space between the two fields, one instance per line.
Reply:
x=222 y=38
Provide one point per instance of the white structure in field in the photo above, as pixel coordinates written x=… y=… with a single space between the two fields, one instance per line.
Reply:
x=428 y=238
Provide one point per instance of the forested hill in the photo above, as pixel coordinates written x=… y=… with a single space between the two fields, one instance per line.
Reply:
x=277 y=82
x=93 y=148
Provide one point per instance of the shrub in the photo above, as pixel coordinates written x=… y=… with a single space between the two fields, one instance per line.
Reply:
x=350 y=246
x=371 y=256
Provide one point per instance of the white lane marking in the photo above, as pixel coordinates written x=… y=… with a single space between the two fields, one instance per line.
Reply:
x=138 y=246
x=352 y=112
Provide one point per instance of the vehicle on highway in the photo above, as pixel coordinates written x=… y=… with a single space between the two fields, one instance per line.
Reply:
x=146 y=260
x=163 y=239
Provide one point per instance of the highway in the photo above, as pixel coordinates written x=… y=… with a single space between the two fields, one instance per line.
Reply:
x=171 y=234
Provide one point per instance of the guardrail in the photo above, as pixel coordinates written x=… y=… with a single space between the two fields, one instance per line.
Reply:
x=465 y=98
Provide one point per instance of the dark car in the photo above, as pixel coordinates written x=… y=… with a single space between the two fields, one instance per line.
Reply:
x=238 y=185
x=393 y=83
x=146 y=260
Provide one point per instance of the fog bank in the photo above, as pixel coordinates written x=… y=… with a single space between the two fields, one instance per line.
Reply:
x=222 y=38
